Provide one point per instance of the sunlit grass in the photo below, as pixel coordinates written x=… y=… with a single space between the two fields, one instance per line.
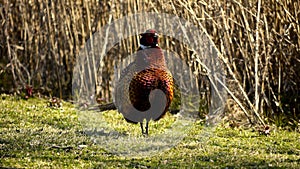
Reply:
x=34 y=135
x=117 y=122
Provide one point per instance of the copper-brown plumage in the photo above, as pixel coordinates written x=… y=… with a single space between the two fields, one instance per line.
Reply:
x=145 y=88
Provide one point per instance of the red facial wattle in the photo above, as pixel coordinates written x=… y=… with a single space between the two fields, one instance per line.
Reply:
x=149 y=39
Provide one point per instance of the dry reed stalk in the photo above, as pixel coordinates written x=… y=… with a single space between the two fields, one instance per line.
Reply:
x=258 y=42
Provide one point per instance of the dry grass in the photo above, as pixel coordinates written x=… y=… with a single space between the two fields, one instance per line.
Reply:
x=258 y=40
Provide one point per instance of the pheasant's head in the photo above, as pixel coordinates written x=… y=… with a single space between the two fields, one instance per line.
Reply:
x=149 y=53
x=149 y=39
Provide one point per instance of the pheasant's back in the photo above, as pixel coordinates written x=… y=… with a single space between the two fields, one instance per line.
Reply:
x=136 y=87
x=146 y=81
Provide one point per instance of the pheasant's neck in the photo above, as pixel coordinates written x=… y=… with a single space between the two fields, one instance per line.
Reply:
x=146 y=47
x=151 y=58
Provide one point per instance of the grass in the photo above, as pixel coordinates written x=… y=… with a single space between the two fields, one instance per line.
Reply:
x=116 y=121
x=34 y=135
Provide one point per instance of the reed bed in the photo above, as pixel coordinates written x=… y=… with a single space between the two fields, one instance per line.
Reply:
x=258 y=42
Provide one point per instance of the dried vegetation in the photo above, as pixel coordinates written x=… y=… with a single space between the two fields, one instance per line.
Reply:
x=259 y=42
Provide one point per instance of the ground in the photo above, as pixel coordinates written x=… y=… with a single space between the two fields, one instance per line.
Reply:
x=35 y=135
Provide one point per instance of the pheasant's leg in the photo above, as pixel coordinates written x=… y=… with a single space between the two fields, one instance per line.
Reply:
x=147 y=123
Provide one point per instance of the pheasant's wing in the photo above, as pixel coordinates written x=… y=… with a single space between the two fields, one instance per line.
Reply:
x=122 y=99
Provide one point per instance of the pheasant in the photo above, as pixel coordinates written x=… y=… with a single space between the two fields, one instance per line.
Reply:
x=144 y=91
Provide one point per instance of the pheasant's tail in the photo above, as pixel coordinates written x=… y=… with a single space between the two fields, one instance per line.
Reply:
x=108 y=106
